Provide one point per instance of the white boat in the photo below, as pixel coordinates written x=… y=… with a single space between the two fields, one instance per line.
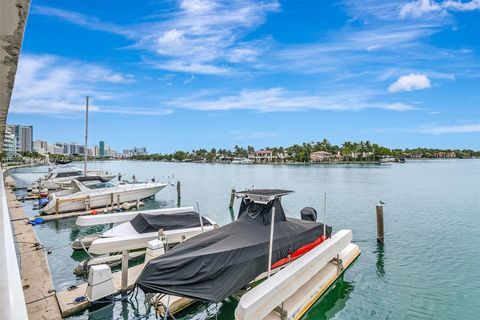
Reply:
x=387 y=159
x=62 y=177
x=177 y=225
x=242 y=161
x=84 y=194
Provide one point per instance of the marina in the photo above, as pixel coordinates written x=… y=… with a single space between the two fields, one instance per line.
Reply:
x=377 y=264
x=301 y=164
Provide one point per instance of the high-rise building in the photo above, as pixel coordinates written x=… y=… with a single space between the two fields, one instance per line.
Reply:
x=54 y=149
x=23 y=137
x=9 y=148
x=101 y=149
x=40 y=146
x=139 y=150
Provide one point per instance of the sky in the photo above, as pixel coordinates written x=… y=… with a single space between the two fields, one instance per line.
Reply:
x=188 y=74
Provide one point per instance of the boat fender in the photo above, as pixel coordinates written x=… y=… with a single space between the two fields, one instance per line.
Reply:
x=79 y=299
x=36 y=221
x=94 y=212
x=118 y=210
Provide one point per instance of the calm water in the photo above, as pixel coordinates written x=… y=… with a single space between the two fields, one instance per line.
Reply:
x=429 y=267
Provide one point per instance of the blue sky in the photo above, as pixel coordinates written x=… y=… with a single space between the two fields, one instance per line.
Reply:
x=187 y=74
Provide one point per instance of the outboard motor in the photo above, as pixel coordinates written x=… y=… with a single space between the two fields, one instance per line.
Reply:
x=309 y=214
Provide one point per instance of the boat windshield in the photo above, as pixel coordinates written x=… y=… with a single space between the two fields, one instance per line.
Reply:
x=69 y=174
x=98 y=184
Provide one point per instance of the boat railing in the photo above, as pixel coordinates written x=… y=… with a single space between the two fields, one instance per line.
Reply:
x=12 y=300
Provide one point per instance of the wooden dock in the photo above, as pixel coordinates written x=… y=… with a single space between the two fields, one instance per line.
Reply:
x=36 y=279
x=52 y=217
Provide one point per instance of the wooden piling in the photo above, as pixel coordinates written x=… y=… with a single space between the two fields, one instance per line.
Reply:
x=380 y=230
x=179 y=195
x=232 y=198
x=124 y=270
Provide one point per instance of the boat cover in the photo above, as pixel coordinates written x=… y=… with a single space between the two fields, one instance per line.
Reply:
x=144 y=222
x=213 y=265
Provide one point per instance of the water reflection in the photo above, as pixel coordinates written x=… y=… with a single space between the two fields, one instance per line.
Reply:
x=380 y=259
x=232 y=214
x=101 y=312
x=332 y=302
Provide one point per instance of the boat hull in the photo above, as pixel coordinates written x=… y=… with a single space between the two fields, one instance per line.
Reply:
x=78 y=203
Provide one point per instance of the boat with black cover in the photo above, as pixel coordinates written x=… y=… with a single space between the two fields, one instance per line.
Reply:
x=136 y=233
x=216 y=264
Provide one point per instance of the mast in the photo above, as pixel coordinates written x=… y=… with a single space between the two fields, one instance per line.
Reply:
x=85 y=148
x=325 y=215
x=270 y=248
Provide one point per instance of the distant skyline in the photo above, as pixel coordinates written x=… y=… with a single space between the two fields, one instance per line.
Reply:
x=183 y=75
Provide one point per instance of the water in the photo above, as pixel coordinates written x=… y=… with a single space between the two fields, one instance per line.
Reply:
x=427 y=269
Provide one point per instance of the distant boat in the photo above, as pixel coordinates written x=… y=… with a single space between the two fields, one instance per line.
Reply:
x=59 y=161
x=386 y=159
x=242 y=161
x=95 y=192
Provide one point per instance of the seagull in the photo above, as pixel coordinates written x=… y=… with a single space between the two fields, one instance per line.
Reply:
x=381 y=202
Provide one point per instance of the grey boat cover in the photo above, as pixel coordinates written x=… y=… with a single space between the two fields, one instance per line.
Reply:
x=213 y=265
x=144 y=222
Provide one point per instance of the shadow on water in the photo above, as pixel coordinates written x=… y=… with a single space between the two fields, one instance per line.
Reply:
x=332 y=302
x=203 y=310
x=380 y=252
x=101 y=311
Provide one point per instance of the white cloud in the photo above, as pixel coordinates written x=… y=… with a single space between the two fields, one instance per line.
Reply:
x=469 y=128
x=399 y=106
x=421 y=7
x=197 y=38
x=413 y=81
x=85 y=21
x=47 y=84
x=283 y=100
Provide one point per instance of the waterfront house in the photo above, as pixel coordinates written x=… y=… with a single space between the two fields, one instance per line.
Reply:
x=262 y=156
x=320 y=156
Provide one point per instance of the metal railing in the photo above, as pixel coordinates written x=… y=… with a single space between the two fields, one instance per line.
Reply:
x=12 y=300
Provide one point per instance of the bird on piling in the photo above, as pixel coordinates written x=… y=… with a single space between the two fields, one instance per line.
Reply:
x=381 y=202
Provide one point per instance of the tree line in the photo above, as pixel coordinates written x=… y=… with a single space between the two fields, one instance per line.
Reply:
x=348 y=151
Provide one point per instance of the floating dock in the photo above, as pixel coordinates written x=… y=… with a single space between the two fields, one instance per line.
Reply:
x=291 y=292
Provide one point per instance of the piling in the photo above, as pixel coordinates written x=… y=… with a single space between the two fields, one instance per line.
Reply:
x=380 y=230
x=179 y=195
x=232 y=198
x=124 y=270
